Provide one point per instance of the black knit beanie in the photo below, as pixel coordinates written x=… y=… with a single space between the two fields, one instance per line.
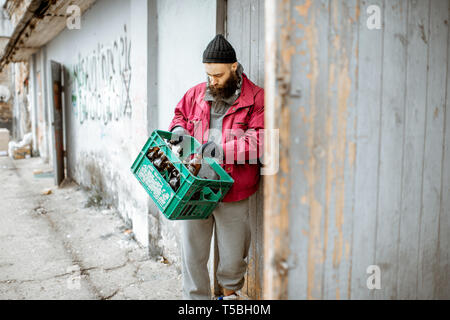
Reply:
x=219 y=50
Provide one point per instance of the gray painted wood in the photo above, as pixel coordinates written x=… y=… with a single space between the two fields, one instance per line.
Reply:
x=432 y=161
x=367 y=153
x=370 y=167
x=391 y=141
x=443 y=269
x=245 y=31
x=259 y=239
x=414 y=135
x=308 y=110
x=340 y=156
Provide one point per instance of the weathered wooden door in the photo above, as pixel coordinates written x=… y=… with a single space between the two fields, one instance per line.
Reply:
x=57 y=122
x=360 y=93
x=245 y=31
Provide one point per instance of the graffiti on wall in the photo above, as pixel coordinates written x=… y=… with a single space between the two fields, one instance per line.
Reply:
x=102 y=82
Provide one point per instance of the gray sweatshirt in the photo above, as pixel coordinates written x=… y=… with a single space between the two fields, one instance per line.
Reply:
x=218 y=110
x=220 y=107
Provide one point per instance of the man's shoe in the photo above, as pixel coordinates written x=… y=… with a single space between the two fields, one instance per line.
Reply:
x=230 y=297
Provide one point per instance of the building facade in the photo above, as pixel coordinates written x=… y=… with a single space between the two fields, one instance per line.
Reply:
x=124 y=65
x=358 y=91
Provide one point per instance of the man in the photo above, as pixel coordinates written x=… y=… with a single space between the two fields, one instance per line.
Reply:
x=225 y=114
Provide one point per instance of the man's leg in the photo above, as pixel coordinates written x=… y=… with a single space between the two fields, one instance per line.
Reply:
x=195 y=245
x=233 y=238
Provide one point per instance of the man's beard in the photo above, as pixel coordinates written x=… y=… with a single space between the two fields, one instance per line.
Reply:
x=228 y=89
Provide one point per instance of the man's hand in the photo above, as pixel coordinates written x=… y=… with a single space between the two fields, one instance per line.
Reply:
x=207 y=172
x=211 y=150
x=177 y=135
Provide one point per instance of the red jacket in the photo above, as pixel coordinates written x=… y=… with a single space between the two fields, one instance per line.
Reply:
x=242 y=136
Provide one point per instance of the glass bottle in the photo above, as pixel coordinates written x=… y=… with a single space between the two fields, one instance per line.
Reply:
x=151 y=154
x=195 y=164
x=160 y=160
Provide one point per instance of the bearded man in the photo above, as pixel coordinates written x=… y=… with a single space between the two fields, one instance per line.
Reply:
x=225 y=114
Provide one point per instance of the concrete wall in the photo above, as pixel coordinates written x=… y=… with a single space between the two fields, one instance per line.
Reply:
x=106 y=102
x=185 y=28
x=107 y=122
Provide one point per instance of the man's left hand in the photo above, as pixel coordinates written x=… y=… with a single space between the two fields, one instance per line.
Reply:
x=211 y=150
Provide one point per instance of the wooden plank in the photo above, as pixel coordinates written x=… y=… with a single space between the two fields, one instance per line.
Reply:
x=221 y=16
x=345 y=270
x=277 y=185
x=252 y=71
x=262 y=42
x=259 y=259
x=443 y=286
x=57 y=122
x=402 y=165
x=255 y=275
x=367 y=155
x=238 y=31
x=250 y=283
x=432 y=161
x=417 y=55
x=246 y=15
x=340 y=126
x=391 y=153
x=260 y=195
x=245 y=37
x=305 y=47
x=254 y=40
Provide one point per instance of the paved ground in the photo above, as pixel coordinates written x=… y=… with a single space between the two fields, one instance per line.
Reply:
x=60 y=246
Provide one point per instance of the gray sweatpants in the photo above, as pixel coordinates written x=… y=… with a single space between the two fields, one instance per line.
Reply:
x=231 y=221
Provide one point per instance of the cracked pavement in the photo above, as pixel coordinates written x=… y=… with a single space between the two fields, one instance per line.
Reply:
x=54 y=247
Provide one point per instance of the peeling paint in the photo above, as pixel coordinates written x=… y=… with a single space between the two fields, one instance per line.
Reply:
x=351 y=153
x=315 y=254
x=303 y=200
x=344 y=87
x=303 y=9
x=277 y=241
x=339 y=84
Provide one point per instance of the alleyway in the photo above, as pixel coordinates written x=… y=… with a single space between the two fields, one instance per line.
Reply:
x=63 y=246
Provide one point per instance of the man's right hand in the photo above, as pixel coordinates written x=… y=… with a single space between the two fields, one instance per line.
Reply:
x=177 y=135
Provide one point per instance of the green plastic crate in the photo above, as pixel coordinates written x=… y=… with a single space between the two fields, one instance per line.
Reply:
x=178 y=205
